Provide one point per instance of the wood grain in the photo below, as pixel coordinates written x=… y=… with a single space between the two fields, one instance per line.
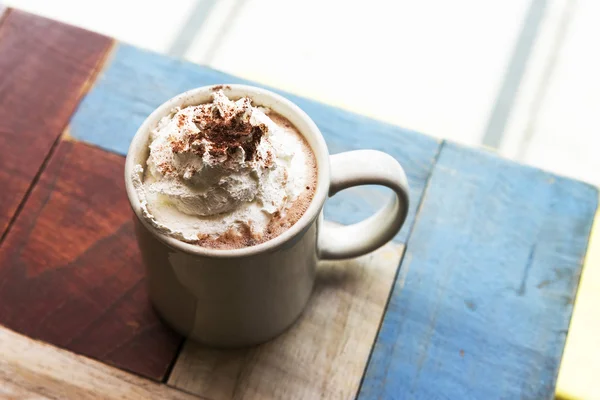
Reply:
x=136 y=82
x=70 y=270
x=482 y=304
x=322 y=356
x=33 y=370
x=44 y=69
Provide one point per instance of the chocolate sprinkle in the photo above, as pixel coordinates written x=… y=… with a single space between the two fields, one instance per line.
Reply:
x=227 y=132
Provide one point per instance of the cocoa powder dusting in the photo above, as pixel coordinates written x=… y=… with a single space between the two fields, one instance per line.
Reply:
x=178 y=146
x=180 y=121
x=226 y=131
x=166 y=168
x=216 y=88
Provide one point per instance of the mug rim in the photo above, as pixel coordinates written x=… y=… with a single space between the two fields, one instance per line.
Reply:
x=284 y=107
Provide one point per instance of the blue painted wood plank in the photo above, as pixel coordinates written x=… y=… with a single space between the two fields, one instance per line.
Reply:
x=136 y=82
x=483 y=300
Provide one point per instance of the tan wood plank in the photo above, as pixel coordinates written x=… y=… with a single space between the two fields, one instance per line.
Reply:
x=31 y=369
x=323 y=355
x=578 y=374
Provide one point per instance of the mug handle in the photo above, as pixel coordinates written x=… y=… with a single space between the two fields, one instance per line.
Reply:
x=365 y=167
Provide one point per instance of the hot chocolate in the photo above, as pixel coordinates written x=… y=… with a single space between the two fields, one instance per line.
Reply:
x=226 y=174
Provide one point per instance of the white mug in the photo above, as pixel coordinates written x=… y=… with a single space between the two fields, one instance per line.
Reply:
x=246 y=296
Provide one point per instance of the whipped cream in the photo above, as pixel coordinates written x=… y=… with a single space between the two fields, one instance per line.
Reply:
x=221 y=169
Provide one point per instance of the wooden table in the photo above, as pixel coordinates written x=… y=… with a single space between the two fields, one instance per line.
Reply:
x=472 y=300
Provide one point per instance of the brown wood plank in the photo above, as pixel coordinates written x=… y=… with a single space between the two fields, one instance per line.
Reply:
x=70 y=270
x=34 y=370
x=325 y=353
x=45 y=67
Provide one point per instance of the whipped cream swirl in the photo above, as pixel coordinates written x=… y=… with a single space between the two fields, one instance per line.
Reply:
x=219 y=168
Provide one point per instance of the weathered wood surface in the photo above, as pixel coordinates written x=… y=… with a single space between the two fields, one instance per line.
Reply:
x=480 y=308
x=33 y=370
x=45 y=67
x=485 y=292
x=136 y=82
x=70 y=270
x=323 y=355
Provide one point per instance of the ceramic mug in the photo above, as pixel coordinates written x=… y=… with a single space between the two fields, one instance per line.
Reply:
x=246 y=296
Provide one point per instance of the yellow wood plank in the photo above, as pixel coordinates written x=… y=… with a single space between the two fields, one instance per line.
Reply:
x=580 y=367
x=31 y=369
x=323 y=355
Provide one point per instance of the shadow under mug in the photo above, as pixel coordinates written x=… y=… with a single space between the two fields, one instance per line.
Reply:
x=241 y=297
